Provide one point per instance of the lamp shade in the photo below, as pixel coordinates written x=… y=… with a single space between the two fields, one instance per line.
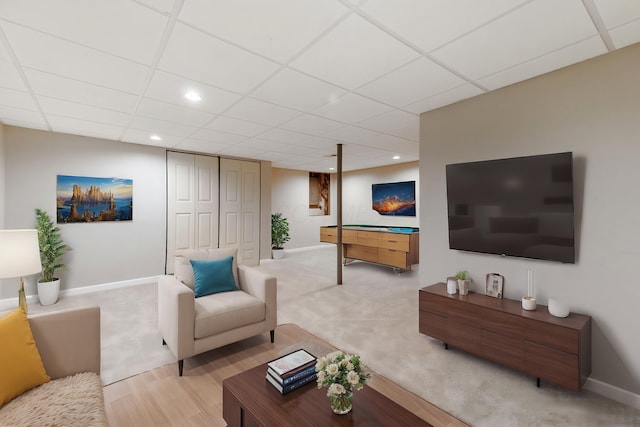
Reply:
x=19 y=253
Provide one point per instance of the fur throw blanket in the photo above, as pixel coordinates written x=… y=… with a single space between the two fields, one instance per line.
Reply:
x=72 y=401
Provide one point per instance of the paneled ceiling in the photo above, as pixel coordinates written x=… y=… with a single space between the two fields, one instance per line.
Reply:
x=282 y=80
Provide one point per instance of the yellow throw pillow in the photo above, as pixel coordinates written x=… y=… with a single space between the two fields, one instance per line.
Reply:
x=21 y=367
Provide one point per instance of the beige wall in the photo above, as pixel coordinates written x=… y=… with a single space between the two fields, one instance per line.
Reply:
x=592 y=109
x=291 y=197
x=99 y=252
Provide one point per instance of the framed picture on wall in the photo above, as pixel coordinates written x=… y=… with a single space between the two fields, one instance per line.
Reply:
x=319 y=186
x=394 y=198
x=91 y=199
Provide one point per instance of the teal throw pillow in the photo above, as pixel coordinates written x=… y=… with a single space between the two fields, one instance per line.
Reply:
x=213 y=276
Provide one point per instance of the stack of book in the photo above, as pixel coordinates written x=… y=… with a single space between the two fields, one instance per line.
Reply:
x=292 y=371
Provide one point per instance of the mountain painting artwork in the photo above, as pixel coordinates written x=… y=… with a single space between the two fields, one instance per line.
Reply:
x=90 y=199
x=394 y=198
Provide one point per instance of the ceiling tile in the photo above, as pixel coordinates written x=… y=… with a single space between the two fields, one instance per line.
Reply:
x=626 y=35
x=369 y=138
x=235 y=126
x=264 y=26
x=619 y=12
x=217 y=137
x=245 y=151
x=136 y=38
x=173 y=113
x=197 y=56
x=295 y=90
x=417 y=80
x=4 y=55
x=352 y=108
x=160 y=127
x=171 y=88
x=325 y=145
x=312 y=125
x=279 y=147
x=9 y=77
x=163 y=6
x=50 y=54
x=430 y=24
x=83 y=112
x=141 y=136
x=353 y=54
x=17 y=99
x=397 y=123
x=260 y=112
x=283 y=135
x=53 y=86
x=571 y=54
x=24 y=118
x=440 y=100
x=533 y=30
x=83 y=127
x=202 y=146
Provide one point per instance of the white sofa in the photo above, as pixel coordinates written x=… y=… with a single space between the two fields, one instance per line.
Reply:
x=69 y=345
x=190 y=325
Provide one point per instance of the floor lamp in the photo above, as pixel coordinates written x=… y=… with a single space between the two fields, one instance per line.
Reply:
x=19 y=257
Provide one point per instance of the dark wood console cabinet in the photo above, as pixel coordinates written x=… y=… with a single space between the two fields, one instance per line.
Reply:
x=557 y=350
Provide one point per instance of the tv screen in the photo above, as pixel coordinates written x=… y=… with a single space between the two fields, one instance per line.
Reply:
x=520 y=207
x=394 y=198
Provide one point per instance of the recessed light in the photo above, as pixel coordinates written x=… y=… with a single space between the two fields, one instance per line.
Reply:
x=155 y=138
x=193 y=96
x=396 y=157
x=332 y=169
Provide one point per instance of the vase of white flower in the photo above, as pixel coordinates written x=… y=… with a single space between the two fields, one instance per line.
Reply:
x=341 y=373
x=341 y=403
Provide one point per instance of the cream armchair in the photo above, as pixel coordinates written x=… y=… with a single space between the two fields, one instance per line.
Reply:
x=191 y=325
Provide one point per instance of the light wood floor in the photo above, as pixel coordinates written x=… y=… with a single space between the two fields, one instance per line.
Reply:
x=161 y=398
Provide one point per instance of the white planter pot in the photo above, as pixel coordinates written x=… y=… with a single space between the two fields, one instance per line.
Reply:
x=48 y=292
x=464 y=286
x=277 y=253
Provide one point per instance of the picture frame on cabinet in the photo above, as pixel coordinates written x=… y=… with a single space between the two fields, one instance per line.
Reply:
x=494 y=285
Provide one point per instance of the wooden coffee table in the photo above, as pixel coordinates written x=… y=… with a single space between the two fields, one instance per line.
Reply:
x=249 y=400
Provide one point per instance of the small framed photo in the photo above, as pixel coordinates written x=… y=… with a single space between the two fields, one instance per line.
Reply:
x=494 y=285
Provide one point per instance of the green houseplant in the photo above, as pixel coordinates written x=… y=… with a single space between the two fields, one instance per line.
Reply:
x=279 y=234
x=51 y=249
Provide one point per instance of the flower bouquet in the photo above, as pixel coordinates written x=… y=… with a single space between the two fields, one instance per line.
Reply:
x=341 y=373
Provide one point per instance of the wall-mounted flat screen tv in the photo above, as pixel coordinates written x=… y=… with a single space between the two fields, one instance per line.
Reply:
x=520 y=207
x=394 y=198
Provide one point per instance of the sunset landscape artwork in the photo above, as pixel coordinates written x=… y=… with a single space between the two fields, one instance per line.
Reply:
x=90 y=199
x=394 y=198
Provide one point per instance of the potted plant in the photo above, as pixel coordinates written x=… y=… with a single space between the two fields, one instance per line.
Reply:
x=279 y=234
x=464 y=281
x=51 y=250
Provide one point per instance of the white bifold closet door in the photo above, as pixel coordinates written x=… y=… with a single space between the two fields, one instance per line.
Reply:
x=240 y=208
x=193 y=203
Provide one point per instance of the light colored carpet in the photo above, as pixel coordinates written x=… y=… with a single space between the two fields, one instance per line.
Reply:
x=375 y=313
x=131 y=342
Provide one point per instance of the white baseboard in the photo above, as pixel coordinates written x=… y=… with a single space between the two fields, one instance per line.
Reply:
x=612 y=392
x=10 y=303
